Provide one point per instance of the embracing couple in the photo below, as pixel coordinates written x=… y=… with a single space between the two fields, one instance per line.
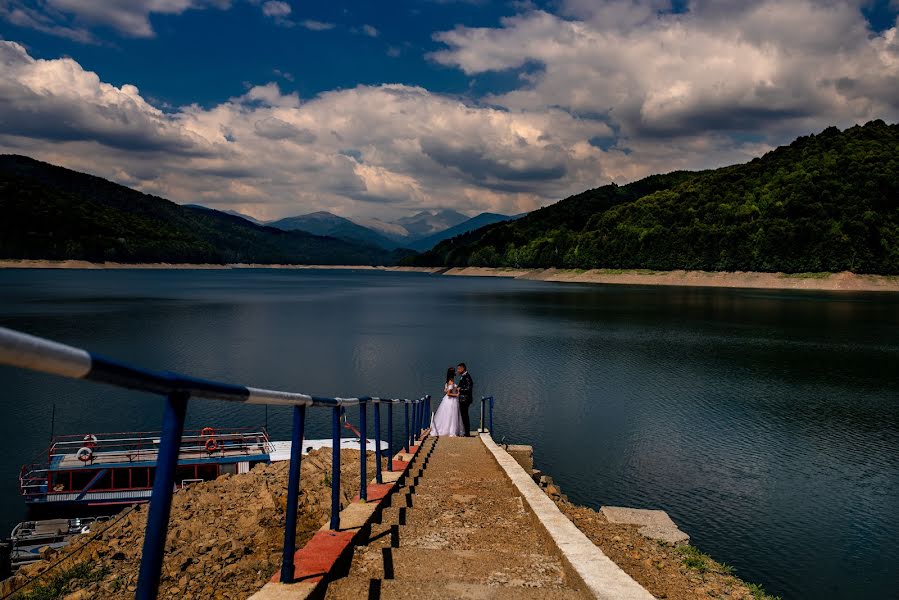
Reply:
x=451 y=418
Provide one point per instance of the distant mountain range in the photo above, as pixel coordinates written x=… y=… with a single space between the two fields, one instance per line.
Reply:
x=325 y=223
x=825 y=203
x=49 y=212
x=482 y=220
x=419 y=232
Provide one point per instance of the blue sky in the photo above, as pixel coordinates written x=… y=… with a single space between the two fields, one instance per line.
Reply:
x=375 y=109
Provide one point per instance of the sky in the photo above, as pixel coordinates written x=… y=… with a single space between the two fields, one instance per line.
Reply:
x=380 y=109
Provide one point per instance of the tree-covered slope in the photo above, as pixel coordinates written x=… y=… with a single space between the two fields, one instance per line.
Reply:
x=827 y=202
x=53 y=213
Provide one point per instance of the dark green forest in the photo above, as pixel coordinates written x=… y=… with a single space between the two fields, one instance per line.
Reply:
x=53 y=213
x=826 y=202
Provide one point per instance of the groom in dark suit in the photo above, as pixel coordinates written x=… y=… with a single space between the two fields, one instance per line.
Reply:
x=466 y=394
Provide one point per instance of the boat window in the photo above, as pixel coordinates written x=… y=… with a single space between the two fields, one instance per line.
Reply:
x=207 y=472
x=185 y=472
x=59 y=482
x=105 y=481
x=230 y=469
x=82 y=477
x=140 y=477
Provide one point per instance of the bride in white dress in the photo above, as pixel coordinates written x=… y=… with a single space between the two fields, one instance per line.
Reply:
x=447 y=420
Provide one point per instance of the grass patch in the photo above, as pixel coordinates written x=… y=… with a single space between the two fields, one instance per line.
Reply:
x=696 y=560
x=759 y=592
x=57 y=586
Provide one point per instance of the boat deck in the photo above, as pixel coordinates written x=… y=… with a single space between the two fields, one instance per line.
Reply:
x=225 y=453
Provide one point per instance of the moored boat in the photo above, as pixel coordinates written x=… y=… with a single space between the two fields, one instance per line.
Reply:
x=30 y=537
x=109 y=469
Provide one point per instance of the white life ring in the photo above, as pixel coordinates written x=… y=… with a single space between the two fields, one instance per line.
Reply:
x=84 y=454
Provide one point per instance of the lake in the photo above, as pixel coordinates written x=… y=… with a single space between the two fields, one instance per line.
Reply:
x=766 y=423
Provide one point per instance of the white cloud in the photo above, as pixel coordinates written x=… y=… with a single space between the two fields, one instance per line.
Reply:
x=724 y=67
x=370 y=150
x=275 y=8
x=69 y=18
x=370 y=31
x=313 y=25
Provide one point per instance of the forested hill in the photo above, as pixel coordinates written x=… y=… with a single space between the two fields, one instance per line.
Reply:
x=47 y=212
x=826 y=202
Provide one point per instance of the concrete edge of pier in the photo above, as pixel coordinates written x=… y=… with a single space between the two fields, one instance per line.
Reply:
x=600 y=576
x=329 y=552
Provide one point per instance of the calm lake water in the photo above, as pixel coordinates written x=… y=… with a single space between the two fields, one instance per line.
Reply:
x=765 y=423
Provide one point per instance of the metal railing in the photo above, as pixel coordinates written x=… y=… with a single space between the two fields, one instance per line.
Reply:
x=29 y=352
x=487 y=407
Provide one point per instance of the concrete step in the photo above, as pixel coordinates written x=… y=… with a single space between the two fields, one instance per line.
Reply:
x=515 y=568
x=350 y=588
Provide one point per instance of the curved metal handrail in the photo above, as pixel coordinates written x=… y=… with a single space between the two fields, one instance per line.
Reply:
x=26 y=351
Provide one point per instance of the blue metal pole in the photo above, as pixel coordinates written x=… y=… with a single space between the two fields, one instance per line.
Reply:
x=491 y=417
x=406 y=405
x=378 y=477
x=335 y=468
x=483 y=416
x=390 y=436
x=293 y=494
x=363 y=476
x=161 y=498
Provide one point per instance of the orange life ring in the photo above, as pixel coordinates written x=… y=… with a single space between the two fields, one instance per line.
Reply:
x=212 y=445
x=90 y=441
x=84 y=454
x=207 y=432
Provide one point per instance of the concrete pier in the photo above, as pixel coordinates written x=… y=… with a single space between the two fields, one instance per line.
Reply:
x=463 y=520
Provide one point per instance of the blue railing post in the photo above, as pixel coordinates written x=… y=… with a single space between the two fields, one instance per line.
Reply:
x=416 y=409
x=483 y=415
x=335 y=468
x=363 y=458
x=161 y=498
x=378 y=476
x=390 y=436
x=406 y=406
x=293 y=494
x=491 y=418
x=428 y=412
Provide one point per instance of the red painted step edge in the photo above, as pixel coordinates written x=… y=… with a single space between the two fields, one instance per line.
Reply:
x=317 y=558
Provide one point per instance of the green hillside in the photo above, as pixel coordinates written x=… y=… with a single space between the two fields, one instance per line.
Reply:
x=53 y=213
x=827 y=202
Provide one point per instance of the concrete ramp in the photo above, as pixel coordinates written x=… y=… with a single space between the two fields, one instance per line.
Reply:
x=461 y=526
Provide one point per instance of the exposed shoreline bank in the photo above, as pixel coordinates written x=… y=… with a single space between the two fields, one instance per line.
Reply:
x=844 y=281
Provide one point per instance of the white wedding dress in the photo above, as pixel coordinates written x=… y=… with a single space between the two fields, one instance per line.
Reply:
x=447 y=420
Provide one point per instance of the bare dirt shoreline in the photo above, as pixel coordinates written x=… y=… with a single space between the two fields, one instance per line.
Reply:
x=844 y=281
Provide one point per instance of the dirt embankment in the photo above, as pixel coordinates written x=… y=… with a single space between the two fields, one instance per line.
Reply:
x=224 y=540
x=851 y=282
x=776 y=281
x=668 y=572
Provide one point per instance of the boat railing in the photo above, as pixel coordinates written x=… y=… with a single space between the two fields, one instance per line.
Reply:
x=145 y=446
x=29 y=352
